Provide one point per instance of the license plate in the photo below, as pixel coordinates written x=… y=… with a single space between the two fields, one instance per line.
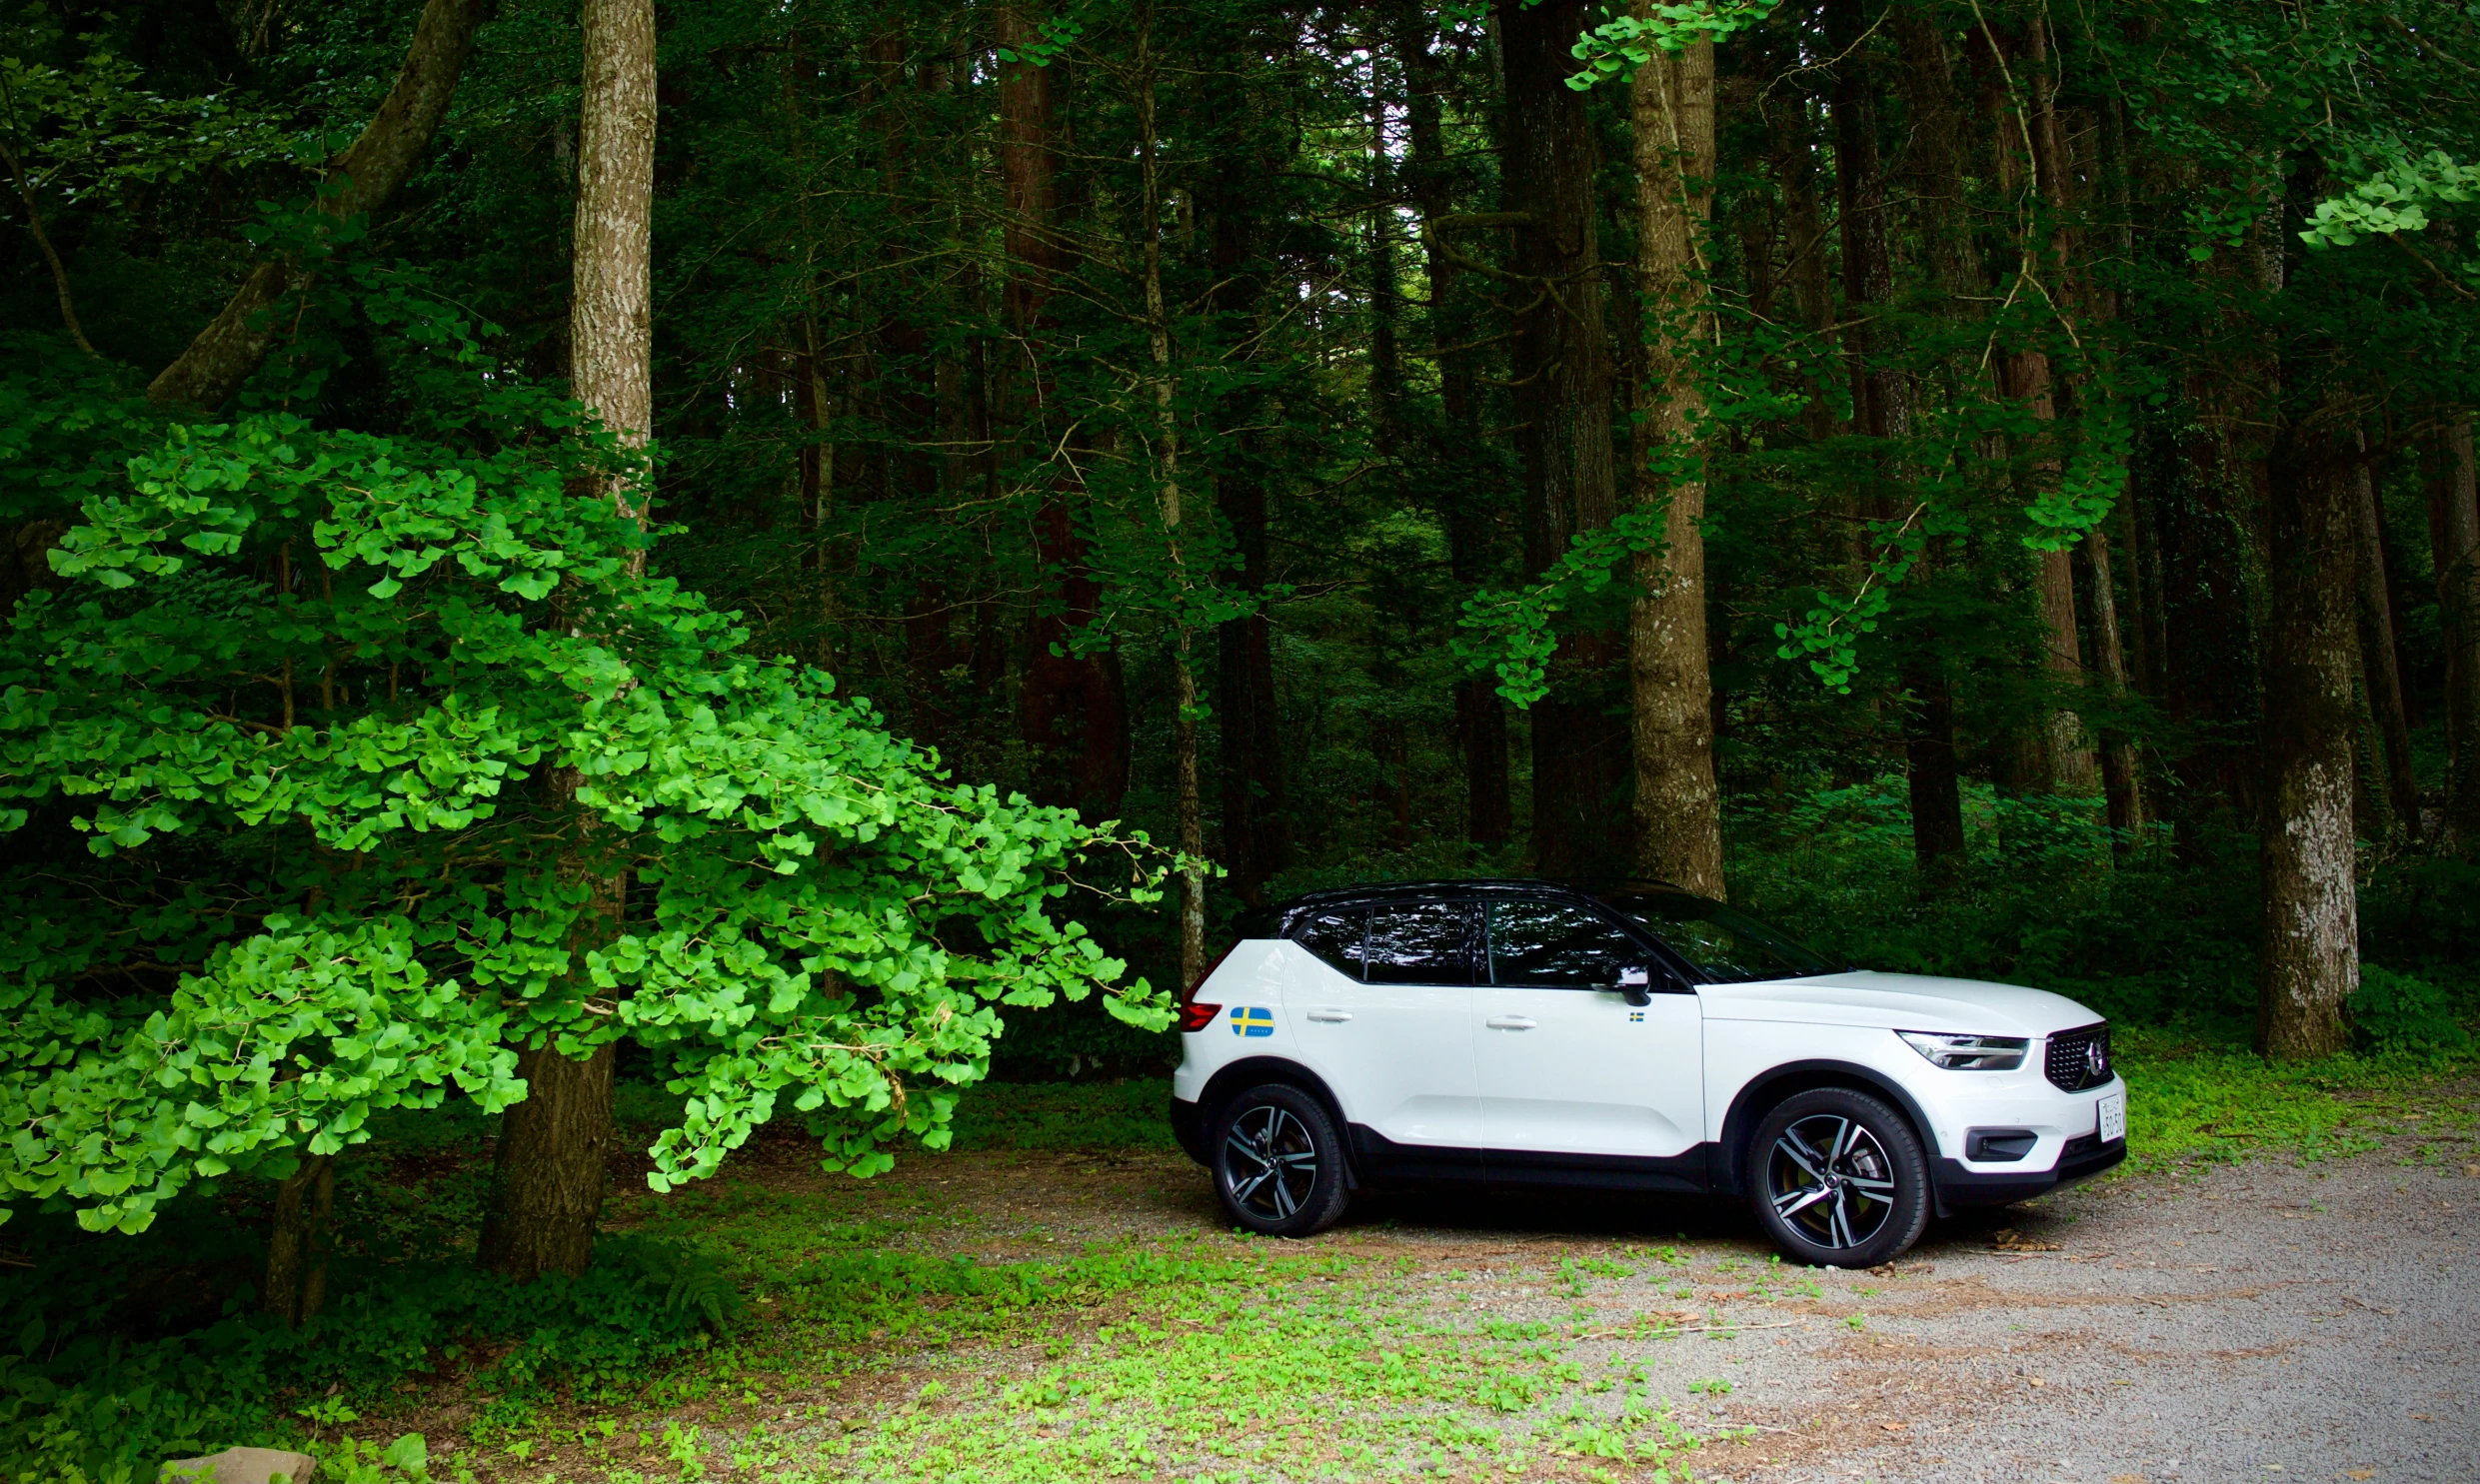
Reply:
x=2113 y=1118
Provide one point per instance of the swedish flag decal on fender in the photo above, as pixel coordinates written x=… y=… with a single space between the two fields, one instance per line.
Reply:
x=1251 y=1019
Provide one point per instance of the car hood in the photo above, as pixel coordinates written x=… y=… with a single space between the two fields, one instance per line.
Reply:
x=1898 y=1002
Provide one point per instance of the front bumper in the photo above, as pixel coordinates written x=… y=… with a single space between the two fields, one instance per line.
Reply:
x=2082 y=1158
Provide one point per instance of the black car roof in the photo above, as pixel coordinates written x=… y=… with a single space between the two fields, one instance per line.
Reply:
x=1365 y=893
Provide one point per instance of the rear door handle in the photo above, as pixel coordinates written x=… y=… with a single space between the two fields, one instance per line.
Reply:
x=1331 y=1018
x=1511 y=1022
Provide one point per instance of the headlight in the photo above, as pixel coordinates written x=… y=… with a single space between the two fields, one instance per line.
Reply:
x=1968 y=1052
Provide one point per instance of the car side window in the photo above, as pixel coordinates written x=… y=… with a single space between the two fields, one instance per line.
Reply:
x=1335 y=938
x=1430 y=943
x=1558 y=945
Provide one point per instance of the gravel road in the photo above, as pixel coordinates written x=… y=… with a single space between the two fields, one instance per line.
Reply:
x=2254 y=1321
x=2264 y=1320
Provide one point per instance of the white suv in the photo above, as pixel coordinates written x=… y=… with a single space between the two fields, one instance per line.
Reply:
x=1640 y=1038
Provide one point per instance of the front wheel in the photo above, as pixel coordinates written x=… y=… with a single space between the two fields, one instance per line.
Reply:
x=1279 y=1162
x=1838 y=1180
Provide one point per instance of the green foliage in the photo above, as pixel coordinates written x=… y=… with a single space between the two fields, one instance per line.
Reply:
x=2400 y=1013
x=2393 y=196
x=1615 y=47
x=821 y=915
x=82 y=1398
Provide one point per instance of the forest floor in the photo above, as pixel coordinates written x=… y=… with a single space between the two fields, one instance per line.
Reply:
x=1003 y=1313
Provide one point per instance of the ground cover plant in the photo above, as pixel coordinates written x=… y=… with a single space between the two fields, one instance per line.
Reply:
x=781 y=1323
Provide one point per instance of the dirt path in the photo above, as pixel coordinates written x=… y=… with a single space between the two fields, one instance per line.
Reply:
x=2255 y=1321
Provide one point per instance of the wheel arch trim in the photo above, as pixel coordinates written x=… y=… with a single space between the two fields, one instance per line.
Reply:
x=1763 y=1091
x=1235 y=1078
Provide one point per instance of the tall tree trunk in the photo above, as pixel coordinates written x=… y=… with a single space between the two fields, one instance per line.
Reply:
x=1242 y=150
x=1563 y=400
x=1480 y=713
x=2055 y=753
x=1678 y=813
x=1071 y=707
x=1188 y=809
x=1935 y=154
x=364 y=179
x=546 y=1189
x=2456 y=529
x=2310 y=952
x=2377 y=654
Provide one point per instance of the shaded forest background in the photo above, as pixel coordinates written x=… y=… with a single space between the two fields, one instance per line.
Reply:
x=1181 y=409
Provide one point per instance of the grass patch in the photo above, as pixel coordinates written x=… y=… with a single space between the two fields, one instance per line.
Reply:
x=2188 y=1104
x=1126 y=1113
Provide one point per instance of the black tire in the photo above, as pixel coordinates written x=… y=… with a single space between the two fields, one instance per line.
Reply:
x=1838 y=1180
x=1279 y=1162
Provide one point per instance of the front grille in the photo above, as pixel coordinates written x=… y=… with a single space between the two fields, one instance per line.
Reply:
x=2079 y=1058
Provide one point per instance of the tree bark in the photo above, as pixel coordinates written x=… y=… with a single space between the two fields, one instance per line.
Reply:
x=1678 y=813
x=1563 y=400
x=2456 y=528
x=2310 y=954
x=1071 y=710
x=546 y=1187
x=1935 y=156
x=2024 y=126
x=1188 y=809
x=298 y=1242
x=552 y=1160
x=364 y=179
x=2377 y=651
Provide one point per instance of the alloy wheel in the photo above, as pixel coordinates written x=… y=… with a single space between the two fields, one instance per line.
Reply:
x=1269 y=1162
x=1829 y=1179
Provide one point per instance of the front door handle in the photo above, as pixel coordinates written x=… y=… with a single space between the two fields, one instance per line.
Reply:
x=1511 y=1022
x=1331 y=1018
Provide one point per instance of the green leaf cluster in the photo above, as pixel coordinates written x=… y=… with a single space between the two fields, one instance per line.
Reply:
x=383 y=765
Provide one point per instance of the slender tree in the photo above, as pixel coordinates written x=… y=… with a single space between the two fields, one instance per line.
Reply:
x=548 y=1184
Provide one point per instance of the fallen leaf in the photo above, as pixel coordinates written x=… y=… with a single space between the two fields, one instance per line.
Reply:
x=2037 y=1381
x=2359 y=1473
x=2471 y=1171
x=2007 y=1239
x=2126 y=1479
x=1895 y=1426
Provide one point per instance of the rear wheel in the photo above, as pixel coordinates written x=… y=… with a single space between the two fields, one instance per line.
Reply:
x=1838 y=1180
x=1279 y=1162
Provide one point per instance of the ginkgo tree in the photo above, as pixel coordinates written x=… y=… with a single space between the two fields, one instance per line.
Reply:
x=282 y=850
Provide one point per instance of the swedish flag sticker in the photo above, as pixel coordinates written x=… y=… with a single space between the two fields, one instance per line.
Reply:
x=1636 y=1017
x=1251 y=1019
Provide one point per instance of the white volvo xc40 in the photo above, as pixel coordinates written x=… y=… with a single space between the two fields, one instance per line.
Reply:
x=1634 y=1038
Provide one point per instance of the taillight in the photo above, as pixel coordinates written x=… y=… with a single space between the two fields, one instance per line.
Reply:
x=1193 y=1014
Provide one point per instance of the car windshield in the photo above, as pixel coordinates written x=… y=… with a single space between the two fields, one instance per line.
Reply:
x=1723 y=947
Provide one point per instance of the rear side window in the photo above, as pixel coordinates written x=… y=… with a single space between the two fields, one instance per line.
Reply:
x=1424 y=943
x=1558 y=945
x=1335 y=938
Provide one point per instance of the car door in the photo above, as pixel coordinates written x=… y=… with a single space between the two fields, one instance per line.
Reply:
x=1384 y=1014
x=1566 y=1065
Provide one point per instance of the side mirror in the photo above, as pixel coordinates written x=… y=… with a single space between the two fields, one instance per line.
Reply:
x=1636 y=985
